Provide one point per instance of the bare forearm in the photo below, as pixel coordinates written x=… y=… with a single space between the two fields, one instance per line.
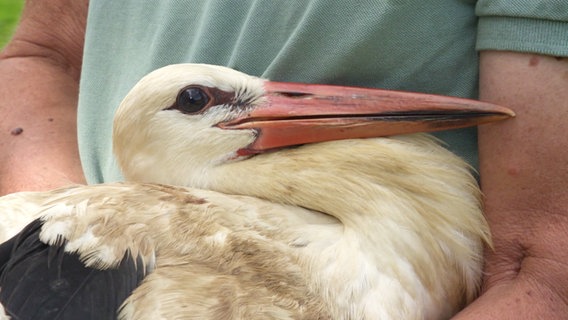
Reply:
x=525 y=179
x=39 y=76
x=38 y=141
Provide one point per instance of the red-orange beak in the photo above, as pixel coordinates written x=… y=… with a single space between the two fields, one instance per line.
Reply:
x=296 y=113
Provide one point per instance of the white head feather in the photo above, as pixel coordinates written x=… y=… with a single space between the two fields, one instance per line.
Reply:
x=157 y=145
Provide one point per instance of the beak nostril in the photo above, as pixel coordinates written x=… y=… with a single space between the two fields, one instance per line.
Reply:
x=290 y=94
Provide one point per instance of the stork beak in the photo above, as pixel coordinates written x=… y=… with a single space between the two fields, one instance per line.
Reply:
x=297 y=113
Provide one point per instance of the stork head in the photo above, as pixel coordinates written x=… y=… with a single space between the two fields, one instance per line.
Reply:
x=182 y=120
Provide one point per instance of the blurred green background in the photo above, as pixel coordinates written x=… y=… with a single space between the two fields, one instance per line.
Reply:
x=9 y=16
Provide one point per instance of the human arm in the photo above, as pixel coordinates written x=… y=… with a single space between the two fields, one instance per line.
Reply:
x=524 y=176
x=39 y=79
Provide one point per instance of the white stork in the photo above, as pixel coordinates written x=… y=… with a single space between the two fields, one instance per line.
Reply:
x=244 y=202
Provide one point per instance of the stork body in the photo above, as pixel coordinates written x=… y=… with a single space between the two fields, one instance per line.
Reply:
x=381 y=228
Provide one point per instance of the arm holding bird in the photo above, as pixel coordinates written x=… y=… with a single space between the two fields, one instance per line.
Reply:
x=524 y=176
x=39 y=72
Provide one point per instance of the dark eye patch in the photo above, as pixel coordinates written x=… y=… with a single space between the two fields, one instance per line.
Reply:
x=191 y=100
x=195 y=99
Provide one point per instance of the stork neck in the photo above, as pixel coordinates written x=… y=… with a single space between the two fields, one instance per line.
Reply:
x=325 y=177
x=410 y=180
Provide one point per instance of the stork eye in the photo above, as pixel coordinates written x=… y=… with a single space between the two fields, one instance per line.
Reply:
x=191 y=100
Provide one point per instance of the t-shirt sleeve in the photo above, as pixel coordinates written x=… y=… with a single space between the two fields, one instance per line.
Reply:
x=536 y=26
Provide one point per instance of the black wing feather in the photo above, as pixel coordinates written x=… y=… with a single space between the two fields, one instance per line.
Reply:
x=40 y=281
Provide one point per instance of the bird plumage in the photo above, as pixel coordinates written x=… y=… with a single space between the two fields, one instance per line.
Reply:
x=37 y=277
x=382 y=228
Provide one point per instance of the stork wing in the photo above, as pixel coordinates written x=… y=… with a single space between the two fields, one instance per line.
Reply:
x=41 y=281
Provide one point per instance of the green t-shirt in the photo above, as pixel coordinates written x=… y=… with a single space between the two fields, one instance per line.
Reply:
x=415 y=45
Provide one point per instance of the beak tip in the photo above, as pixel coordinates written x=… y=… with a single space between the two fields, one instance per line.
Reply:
x=503 y=113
